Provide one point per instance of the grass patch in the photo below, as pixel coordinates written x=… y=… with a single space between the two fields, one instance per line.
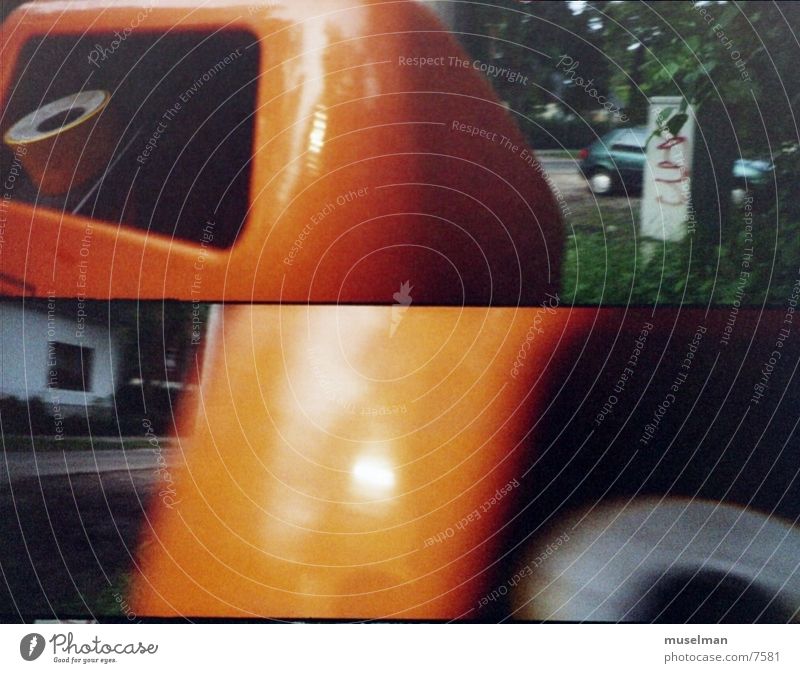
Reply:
x=110 y=602
x=608 y=263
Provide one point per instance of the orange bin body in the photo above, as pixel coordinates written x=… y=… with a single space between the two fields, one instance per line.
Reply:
x=333 y=471
x=368 y=170
x=337 y=461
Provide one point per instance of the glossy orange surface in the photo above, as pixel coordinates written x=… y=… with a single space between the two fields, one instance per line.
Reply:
x=363 y=175
x=339 y=461
x=335 y=471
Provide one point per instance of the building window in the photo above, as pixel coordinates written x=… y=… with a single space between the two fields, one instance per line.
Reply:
x=68 y=367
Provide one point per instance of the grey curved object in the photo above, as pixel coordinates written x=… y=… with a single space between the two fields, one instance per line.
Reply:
x=668 y=561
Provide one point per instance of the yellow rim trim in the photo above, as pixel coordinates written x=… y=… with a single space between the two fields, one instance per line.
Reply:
x=61 y=129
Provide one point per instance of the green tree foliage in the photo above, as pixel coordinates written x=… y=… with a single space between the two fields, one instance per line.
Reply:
x=532 y=38
x=738 y=54
x=735 y=62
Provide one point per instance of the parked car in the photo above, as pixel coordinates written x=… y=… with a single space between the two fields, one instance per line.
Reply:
x=615 y=162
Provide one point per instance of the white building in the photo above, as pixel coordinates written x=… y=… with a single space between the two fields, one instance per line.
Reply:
x=61 y=352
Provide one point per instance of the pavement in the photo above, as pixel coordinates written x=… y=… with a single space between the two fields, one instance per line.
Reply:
x=559 y=165
x=24 y=465
x=68 y=542
x=70 y=525
x=567 y=177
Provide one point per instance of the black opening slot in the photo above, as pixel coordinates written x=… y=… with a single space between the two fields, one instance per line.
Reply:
x=182 y=114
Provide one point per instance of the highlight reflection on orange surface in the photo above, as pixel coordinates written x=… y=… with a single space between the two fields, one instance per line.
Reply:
x=336 y=471
x=341 y=461
x=342 y=124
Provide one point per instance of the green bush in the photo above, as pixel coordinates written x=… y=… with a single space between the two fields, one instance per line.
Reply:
x=614 y=266
x=20 y=417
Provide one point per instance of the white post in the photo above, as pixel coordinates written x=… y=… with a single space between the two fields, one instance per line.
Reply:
x=666 y=194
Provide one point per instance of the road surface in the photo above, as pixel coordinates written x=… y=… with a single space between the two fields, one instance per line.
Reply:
x=69 y=529
x=20 y=465
x=559 y=166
